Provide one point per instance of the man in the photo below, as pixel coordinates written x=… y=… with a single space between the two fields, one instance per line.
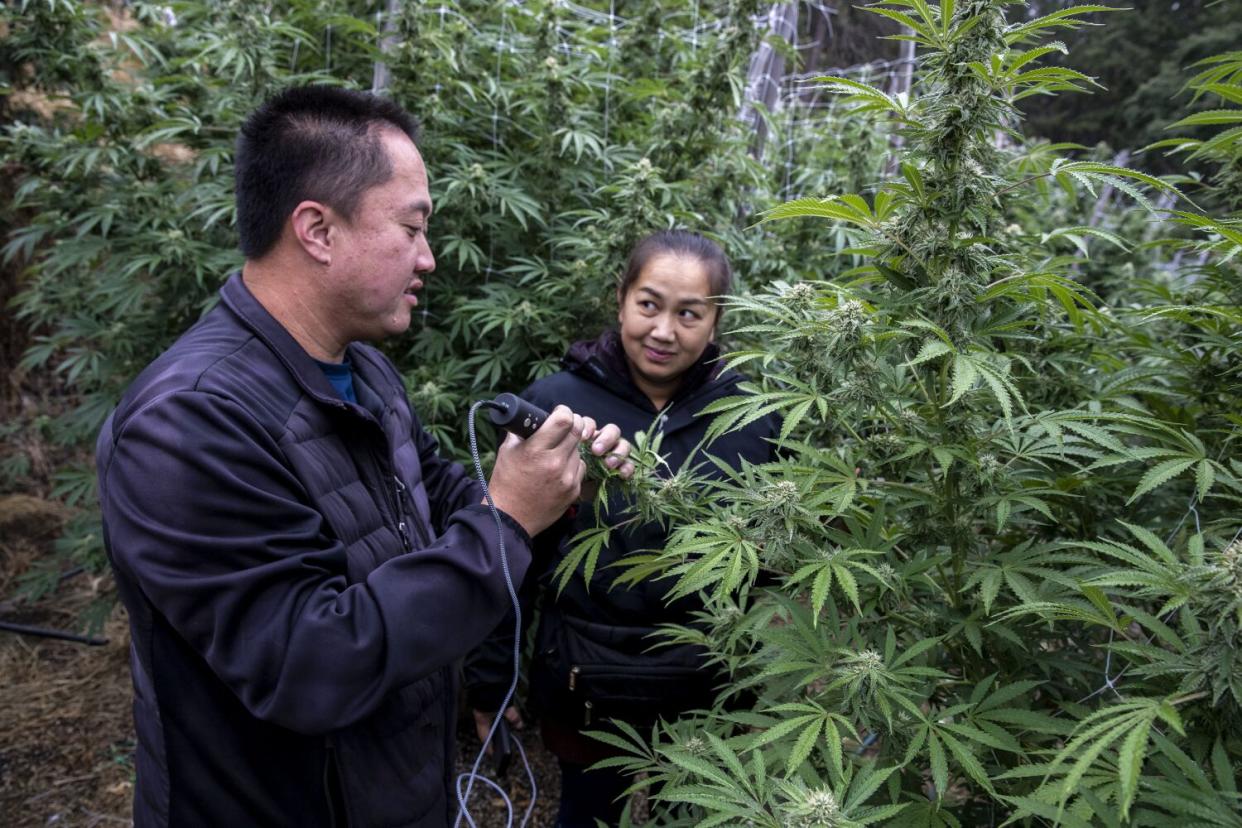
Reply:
x=300 y=567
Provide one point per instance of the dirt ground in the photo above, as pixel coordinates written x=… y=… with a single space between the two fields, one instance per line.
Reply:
x=64 y=707
x=66 y=735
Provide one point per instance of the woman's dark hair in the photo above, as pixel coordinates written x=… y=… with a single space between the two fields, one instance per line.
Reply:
x=310 y=142
x=680 y=243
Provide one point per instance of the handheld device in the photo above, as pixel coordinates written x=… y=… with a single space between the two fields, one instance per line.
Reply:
x=512 y=413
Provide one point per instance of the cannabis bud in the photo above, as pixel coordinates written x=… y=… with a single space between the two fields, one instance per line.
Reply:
x=869 y=660
x=813 y=808
x=861 y=669
x=1229 y=566
x=695 y=746
x=887 y=443
x=848 y=318
x=801 y=295
x=822 y=807
x=782 y=494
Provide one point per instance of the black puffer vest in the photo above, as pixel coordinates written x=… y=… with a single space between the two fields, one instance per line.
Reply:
x=301 y=574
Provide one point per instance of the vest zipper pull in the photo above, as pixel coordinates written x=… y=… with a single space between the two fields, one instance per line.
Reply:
x=401 y=529
x=573 y=676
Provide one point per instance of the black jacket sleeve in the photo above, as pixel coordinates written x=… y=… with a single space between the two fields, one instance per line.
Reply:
x=206 y=518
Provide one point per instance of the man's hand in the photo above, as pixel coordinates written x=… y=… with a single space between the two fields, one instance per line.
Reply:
x=536 y=480
x=483 y=722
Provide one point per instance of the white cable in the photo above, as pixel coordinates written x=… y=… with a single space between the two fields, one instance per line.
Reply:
x=463 y=798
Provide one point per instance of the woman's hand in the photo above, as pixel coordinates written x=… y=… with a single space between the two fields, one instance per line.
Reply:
x=608 y=443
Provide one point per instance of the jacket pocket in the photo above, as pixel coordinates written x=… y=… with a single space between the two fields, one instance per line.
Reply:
x=587 y=672
x=638 y=694
x=392 y=765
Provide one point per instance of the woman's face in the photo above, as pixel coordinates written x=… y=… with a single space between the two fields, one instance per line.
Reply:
x=666 y=321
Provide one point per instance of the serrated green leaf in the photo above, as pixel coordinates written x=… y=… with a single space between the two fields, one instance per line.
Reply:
x=1158 y=475
x=803 y=746
x=931 y=349
x=964 y=375
x=819 y=591
x=939 y=766
x=1130 y=765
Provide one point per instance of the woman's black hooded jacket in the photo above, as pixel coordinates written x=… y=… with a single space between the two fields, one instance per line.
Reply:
x=593 y=656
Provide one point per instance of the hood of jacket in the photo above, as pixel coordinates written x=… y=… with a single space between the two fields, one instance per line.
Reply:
x=602 y=361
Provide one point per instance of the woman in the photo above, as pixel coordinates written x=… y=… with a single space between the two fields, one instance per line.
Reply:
x=593 y=659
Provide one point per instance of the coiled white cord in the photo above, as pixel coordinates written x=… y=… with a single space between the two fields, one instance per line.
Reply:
x=463 y=798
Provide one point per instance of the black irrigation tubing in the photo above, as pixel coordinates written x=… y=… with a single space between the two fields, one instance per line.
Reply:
x=44 y=632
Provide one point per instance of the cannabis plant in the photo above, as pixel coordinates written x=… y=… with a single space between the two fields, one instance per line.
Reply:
x=995 y=576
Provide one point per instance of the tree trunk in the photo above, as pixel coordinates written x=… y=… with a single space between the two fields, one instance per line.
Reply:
x=382 y=76
x=767 y=73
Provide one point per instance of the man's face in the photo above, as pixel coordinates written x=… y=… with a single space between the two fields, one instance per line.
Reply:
x=381 y=254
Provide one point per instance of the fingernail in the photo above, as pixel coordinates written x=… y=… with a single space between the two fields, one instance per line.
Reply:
x=599 y=446
x=611 y=462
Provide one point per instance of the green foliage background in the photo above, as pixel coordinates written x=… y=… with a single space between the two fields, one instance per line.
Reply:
x=996 y=576
x=1139 y=57
x=555 y=139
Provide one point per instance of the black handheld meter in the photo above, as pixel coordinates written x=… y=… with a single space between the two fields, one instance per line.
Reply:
x=512 y=413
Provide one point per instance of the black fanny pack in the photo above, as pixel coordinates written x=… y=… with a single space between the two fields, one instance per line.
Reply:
x=585 y=673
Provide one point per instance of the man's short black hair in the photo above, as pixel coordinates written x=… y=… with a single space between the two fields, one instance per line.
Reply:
x=320 y=143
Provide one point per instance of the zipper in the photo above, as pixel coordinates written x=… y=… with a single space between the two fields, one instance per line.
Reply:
x=385 y=470
x=392 y=498
x=573 y=677
x=401 y=527
x=587 y=707
x=416 y=528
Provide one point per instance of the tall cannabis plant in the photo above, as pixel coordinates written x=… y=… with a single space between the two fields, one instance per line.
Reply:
x=996 y=576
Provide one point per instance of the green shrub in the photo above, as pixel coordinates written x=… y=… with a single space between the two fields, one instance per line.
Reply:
x=997 y=576
x=555 y=138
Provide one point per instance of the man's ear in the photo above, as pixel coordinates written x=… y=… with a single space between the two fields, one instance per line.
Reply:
x=312 y=224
